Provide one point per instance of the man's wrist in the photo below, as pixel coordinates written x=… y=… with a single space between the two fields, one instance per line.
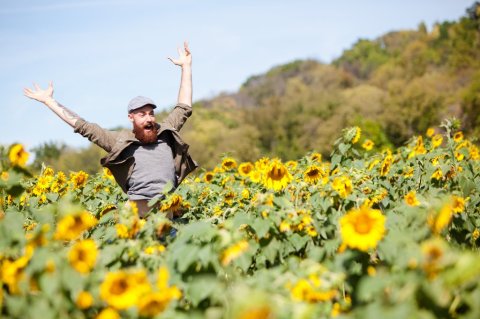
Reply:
x=50 y=101
x=186 y=66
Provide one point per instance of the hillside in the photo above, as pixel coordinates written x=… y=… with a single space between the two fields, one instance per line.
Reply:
x=392 y=87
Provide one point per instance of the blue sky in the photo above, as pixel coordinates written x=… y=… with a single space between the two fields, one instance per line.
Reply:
x=100 y=54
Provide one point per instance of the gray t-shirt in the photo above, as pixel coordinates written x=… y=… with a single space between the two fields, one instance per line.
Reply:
x=152 y=170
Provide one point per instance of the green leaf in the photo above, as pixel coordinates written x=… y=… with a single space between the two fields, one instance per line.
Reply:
x=40 y=309
x=370 y=288
x=261 y=226
x=467 y=185
x=271 y=250
x=72 y=280
x=298 y=241
x=200 y=288
x=49 y=283
x=282 y=202
x=185 y=256
x=343 y=148
x=200 y=229
x=110 y=254
x=336 y=159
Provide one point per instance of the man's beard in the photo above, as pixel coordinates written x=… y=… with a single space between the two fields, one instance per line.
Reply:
x=146 y=136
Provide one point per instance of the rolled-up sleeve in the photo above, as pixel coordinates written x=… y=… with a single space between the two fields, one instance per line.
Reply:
x=179 y=115
x=96 y=134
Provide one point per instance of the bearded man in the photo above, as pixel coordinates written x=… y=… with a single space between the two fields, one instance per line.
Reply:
x=151 y=156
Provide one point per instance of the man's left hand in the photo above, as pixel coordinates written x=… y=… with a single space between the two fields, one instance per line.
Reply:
x=184 y=56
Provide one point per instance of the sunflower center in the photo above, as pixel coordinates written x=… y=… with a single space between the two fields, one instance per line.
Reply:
x=277 y=173
x=119 y=287
x=363 y=224
x=313 y=173
x=81 y=255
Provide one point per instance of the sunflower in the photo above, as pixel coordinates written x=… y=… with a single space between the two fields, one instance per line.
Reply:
x=311 y=290
x=84 y=300
x=79 y=179
x=437 y=140
x=373 y=164
x=122 y=290
x=430 y=132
x=459 y=156
x=174 y=204
x=316 y=157
x=44 y=182
x=83 y=255
x=255 y=176
x=439 y=220
x=386 y=164
x=284 y=226
x=233 y=252
x=292 y=165
x=368 y=145
x=153 y=304
x=458 y=204
x=229 y=197
x=208 y=177
x=408 y=172
x=228 y=164
x=313 y=174
x=437 y=174
x=358 y=133
x=71 y=226
x=257 y=312
x=276 y=176
x=474 y=153
x=362 y=228
x=245 y=168
x=419 y=146
x=11 y=273
x=433 y=251
x=108 y=313
x=122 y=231
x=411 y=199
x=17 y=155
x=458 y=137
x=343 y=186
x=476 y=234
x=262 y=163
x=107 y=174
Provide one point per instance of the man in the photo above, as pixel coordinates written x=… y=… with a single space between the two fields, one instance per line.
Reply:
x=151 y=156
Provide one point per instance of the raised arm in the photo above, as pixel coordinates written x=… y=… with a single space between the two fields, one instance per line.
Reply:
x=185 y=62
x=46 y=97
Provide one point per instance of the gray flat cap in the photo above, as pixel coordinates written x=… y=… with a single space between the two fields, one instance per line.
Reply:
x=138 y=102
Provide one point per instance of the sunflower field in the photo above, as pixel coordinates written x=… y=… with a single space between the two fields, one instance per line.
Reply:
x=369 y=234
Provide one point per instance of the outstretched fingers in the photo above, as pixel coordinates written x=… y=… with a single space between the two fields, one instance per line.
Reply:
x=27 y=92
x=174 y=61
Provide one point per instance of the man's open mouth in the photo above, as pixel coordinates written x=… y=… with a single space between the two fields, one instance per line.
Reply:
x=148 y=127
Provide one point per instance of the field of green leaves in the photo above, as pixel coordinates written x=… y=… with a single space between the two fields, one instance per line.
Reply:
x=369 y=234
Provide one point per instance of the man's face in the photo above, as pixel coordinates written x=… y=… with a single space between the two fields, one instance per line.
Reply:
x=143 y=120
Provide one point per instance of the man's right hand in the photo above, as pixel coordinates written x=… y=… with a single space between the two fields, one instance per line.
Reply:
x=44 y=96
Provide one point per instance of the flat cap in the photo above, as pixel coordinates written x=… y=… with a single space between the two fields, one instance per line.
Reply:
x=138 y=102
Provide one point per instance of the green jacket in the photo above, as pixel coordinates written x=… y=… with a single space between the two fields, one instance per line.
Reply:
x=114 y=142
